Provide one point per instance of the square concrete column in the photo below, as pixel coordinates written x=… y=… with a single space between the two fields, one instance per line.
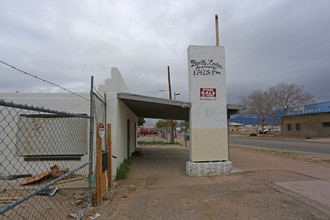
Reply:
x=208 y=113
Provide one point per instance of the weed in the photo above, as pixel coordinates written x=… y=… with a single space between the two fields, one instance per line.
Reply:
x=253 y=134
x=123 y=169
x=325 y=161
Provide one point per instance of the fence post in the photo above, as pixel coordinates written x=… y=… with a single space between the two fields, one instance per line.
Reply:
x=98 y=171
x=91 y=135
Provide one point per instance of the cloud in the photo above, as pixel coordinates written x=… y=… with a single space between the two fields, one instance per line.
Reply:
x=68 y=41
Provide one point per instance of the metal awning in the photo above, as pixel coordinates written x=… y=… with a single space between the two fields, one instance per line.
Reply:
x=151 y=107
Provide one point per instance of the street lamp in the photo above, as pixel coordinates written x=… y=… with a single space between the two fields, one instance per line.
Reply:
x=175 y=95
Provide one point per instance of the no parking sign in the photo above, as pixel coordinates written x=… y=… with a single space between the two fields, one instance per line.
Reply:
x=101 y=130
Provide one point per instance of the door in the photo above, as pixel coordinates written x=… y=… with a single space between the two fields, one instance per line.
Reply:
x=135 y=134
x=128 y=138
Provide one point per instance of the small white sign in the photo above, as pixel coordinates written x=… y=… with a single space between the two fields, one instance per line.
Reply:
x=101 y=130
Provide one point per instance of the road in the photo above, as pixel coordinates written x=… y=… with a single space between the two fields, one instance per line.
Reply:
x=300 y=146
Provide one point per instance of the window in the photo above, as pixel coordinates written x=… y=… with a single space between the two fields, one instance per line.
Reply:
x=289 y=127
x=297 y=127
x=326 y=124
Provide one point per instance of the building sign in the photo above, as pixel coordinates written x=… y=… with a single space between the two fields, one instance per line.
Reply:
x=101 y=130
x=206 y=67
x=208 y=93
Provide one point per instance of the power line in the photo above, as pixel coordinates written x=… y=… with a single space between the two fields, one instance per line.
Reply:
x=154 y=91
x=46 y=81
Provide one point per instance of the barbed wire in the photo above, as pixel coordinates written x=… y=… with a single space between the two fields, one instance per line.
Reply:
x=46 y=81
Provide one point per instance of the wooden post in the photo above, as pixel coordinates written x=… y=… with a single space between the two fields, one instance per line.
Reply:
x=109 y=156
x=98 y=170
x=217 y=29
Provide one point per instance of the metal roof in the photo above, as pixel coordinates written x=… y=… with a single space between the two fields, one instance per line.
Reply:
x=151 y=107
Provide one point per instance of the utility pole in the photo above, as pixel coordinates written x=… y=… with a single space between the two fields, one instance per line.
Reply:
x=175 y=95
x=170 y=91
x=169 y=82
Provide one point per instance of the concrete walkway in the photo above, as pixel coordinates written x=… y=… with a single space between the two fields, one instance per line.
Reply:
x=317 y=188
x=272 y=187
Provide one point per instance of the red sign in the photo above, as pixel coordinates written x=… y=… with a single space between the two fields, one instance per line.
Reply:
x=208 y=93
x=101 y=130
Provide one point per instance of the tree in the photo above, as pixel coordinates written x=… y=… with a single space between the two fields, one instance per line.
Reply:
x=163 y=123
x=257 y=103
x=141 y=121
x=286 y=98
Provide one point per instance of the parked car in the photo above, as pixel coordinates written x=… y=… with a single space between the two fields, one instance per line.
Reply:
x=144 y=132
x=265 y=131
x=276 y=129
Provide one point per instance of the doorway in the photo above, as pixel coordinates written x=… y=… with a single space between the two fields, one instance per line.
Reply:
x=128 y=138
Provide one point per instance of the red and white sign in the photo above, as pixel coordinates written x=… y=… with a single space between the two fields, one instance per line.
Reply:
x=101 y=130
x=208 y=93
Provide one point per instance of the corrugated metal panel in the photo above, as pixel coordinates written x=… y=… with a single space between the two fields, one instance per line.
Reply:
x=323 y=106
x=313 y=109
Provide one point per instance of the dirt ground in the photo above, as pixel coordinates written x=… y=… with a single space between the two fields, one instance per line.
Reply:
x=157 y=187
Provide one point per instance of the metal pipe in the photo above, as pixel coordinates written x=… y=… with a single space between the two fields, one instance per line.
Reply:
x=98 y=97
x=40 y=109
x=91 y=140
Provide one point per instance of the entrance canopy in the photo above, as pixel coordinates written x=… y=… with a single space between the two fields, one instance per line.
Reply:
x=151 y=107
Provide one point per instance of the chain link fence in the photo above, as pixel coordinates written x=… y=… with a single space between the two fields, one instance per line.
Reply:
x=44 y=162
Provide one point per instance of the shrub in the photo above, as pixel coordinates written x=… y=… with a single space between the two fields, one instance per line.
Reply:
x=253 y=134
x=123 y=170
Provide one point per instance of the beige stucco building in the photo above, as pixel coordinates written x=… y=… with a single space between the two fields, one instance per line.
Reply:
x=308 y=125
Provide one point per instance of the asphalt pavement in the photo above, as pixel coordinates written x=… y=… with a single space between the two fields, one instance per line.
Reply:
x=290 y=145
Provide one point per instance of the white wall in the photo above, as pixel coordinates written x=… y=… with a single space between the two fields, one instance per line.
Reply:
x=10 y=163
x=208 y=113
x=117 y=115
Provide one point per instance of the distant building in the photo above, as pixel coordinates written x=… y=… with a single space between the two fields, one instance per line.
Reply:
x=312 y=121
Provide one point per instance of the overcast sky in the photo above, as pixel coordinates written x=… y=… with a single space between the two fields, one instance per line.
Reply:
x=66 y=42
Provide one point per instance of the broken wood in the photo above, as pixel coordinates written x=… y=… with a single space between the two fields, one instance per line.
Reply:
x=72 y=180
x=9 y=198
x=40 y=176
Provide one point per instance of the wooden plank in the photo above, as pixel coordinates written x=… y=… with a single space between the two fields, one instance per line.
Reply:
x=104 y=187
x=40 y=176
x=109 y=156
x=9 y=198
x=72 y=180
x=98 y=170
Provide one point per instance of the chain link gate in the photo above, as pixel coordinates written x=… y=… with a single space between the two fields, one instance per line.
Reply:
x=102 y=148
x=47 y=160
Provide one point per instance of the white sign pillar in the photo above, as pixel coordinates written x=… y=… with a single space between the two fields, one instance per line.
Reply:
x=208 y=113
